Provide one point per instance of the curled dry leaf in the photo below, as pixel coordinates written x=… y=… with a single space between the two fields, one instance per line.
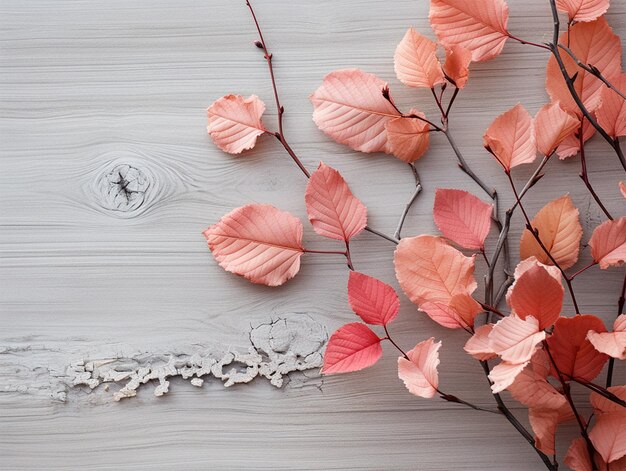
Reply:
x=478 y=344
x=609 y=432
x=511 y=138
x=462 y=217
x=408 y=138
x=608 y=243
x=350 y=107
x=571 y=144
x=478 y=25
x=258 y=242
x=559 y=230
x=351 y=348
x=333 y=210
x=432 y=273
x=457 y=64
x=514 y=339
x=415 y=61
x=372 y=300
x=419 y=372
x=552 y=126
x=583 y=10
x=592 y=43
x=611 y=343
x=234 y=122
x=611 y=113
x=574 y=355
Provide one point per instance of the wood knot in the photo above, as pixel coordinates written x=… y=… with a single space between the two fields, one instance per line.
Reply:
x=123 y=188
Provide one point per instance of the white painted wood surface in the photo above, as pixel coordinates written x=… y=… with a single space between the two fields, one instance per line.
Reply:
x=87 y=86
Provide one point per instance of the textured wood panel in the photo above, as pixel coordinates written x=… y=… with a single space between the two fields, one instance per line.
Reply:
x=96 y=93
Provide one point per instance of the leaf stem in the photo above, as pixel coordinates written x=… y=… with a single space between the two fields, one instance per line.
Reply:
x=522 y=41
x=394 y=343
x=583 y=172
x=455 y=399
x=593 y=263
x=407 y=207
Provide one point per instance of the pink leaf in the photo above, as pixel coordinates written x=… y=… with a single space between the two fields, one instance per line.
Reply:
x=552 y=126
x=457 y=312
x=577 y=458
x=235 y=122
x=415 y=61
x=573 y=354
x=511 y=138
x=372 y=300
x=583 y=10
x=504 y=373
x=333 y=210
x=408 y=138
x=351 y=348
x=462 y=217
x=531 y=387
x=571 y=144
x=478 y=25
x=258 y=242
x=515 y=339
x=611 y=343
x=478 y=344
x=544 y=423
x=350 y=107
x=608 y=243
x=419 y=372
x=457 y=64
x=609 y=432
x=611 y=113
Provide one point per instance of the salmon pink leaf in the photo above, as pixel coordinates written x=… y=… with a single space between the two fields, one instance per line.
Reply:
x=419 y=372
x=478 y=344
x=583 y=10
x=457 y=312
x=514 y=339
x=504 y=373
x=456 y=67
x=415 y=61
x=372 y=300
x=351 y=348
x=611 y=343
x=611 y=113
x=609 y=432
x=532 y=388
x=234 y=122
x=544 y=423
x=511 y=138
x=608 y=243
x=408 y=138
x=552 y=126
x=570 y=146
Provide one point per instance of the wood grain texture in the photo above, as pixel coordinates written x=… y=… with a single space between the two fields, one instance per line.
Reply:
x=108 y=179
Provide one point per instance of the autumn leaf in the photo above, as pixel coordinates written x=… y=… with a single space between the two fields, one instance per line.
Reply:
x=477 y=25
x=504 y=373
x=351 y=348
x=544 y=423
x=511 y=138
x=235 y=122
x=478 y=344
x=515 y=339
x=372 y=300
x=559 y=230
x=583 y=10
x=333 y=210
x=531 y=386
x=570 y=146
x=462 y=217
x=608 y=243
x=611 y=113
x=552 y=126
x=415 y=61
x=419 y=372
x=350 y=107
x=456 y=66
x=609 y=432
x=611 y=343
x=577 y=458
x=408 y=138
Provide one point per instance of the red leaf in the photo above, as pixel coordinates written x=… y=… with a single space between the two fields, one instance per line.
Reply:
x=372 y=300
x=552 y=126
x=419 y=372
x=415 y=61
x=608 y=243
x=408 y=138
x=258 y=242
x=511 y=138
x=333 y=210
x=235 y=122
x=351 y=348
x=462 y=217
x=611 y=113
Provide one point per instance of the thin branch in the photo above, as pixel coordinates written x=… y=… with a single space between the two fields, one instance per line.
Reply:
x=600 y=390
x=394 y=343
x=407 y=207
x=522 y=41
x=455 y=399
x=585 y=177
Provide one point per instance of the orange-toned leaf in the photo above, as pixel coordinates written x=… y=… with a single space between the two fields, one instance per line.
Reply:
x=571 y=144
x=419 y=372
x=478 y=25
x=577 y=458
x=457 y=64
x=458 y=312
x=609 y=432
x=258 y=242
x=559 y=230
x=531 y=387
x=592 y=43
x=415 y=61
x=234 y=122
x=408 y=138
x=608 y=243
x=583 y=10
x=611 y=113
x=351 y=348
x=478 y=344
x=574 y=355
x=611 y=343
x=372 y=300
x=544 y=423
x=504 y=373
x=350 y=107
x=514 y=339
x=552 y=126
x=511 y=138
x=462 y=217
x=333 y=210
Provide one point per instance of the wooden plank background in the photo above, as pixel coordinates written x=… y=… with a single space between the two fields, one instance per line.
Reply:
x=89 y=88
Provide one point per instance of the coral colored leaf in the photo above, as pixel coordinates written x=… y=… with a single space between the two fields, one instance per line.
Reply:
x=574 y=355
x=531 y=387
x=419 y=372
x=235 y=122
x=514 y=339
x=559 y=230
x=351 y=348
x=583 y=10
x=537 y=293
x=258 y=242
x=622 y=189
x=577 y=457
x=504 y=373
x=609 y=432
x=478 y=344
x=431 y=271
x=608 y=243
x=457 y=64
x=552 y=126
x=611 y=343
x=511 y=138
x=592 y=43
x=478 y=25
x=571 y=144
x=415 y=61
x=525 y=265
x=544 y=423
x=333 y=210
x=408 y=138
x=372 y=300
x=350 y=107
x=457 y=312
x=611 y=113
x=462 y=217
